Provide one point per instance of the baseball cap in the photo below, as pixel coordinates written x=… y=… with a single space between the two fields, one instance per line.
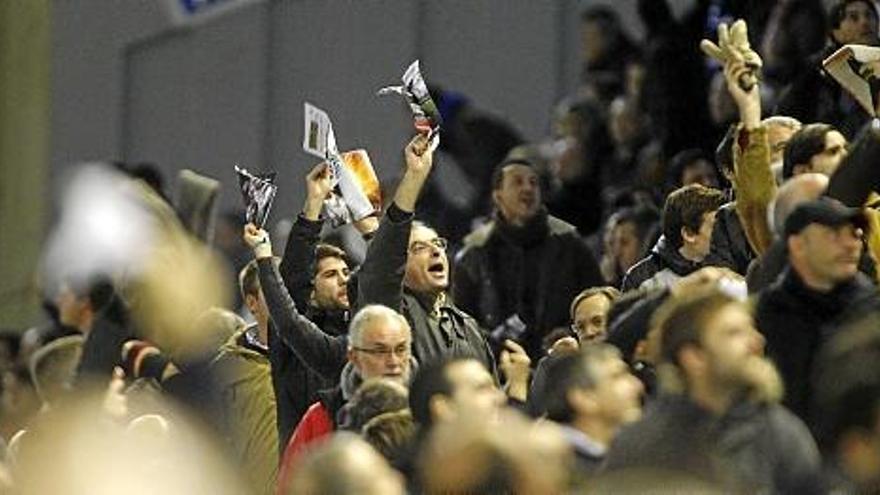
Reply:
x=824 y=211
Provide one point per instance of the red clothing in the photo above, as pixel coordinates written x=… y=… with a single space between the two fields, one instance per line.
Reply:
x=315 y=425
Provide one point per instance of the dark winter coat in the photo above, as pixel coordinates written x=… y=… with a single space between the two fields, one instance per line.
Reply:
x=533 y=272
x=796 y=320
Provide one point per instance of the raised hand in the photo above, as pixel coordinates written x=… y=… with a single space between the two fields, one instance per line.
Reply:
x=748 y=101
x=258 y=240
x=319 y=184
x=419 y=155
x=515 y=366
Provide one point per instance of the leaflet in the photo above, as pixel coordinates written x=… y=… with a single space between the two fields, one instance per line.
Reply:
x=258 y=192
x=426 y=116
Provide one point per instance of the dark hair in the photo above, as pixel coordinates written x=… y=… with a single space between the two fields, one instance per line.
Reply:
x=498 y=173
x=838 y=11
x=645 y=219
x=685 y=208
x=803 y=146
x=324 y=250
x=573 y=371
x=681 y=161
x=430 y=380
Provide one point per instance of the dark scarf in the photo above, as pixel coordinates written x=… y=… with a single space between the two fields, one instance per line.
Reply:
x=532 y=233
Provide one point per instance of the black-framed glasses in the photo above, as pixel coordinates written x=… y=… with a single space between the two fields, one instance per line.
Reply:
x=421 y=246
x=401 y=351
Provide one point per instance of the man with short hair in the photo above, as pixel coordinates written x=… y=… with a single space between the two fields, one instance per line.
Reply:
x=815 y=148
x=406 y=268
x=295 y=384
x=718 y=419
x=594 y=394
x=525 y=263
x=821 y=287
x=688 y=219
x=765 y=269
x=453 y=387
x=248 y=391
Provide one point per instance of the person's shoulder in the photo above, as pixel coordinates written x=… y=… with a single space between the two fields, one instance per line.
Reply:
x=560 y=228
x=789 y=431
x=477 y=238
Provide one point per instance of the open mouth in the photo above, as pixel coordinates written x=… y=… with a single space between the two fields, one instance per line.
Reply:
x=437 y=268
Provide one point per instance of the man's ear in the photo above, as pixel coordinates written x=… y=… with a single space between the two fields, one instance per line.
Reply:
x=440 y=408
x=687 y=236
x=496 y=198
x=692 y=359
x=795 y=244
x=582 y=401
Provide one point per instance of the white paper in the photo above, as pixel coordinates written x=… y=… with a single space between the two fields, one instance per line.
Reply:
x=317 y=130
x=838 y=66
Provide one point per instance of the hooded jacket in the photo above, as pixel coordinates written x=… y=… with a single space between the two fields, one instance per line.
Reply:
x=661 y=268
x=249 y=403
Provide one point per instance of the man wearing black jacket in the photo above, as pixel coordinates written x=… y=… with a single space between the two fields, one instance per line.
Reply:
x=821 y=288
x=406 y=268
x=526 y=263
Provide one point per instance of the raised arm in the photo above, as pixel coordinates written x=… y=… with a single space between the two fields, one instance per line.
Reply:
x=298 y=263
x=322 y=353
x=381 y=275
x=753 y=178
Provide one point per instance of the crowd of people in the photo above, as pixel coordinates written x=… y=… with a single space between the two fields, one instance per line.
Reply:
x=675 y=292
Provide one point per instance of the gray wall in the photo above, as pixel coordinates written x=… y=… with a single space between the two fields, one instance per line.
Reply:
x=127 y=84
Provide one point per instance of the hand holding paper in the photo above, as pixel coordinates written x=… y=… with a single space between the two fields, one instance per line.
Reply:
x=351 y=174
x=258 y=192
x=258 y=240
x=426 y=117
x=855 y=67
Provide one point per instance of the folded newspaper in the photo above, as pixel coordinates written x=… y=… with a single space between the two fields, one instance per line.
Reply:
x=857 y=69
x=425 y=114
x=258 y=192
x=356 y=186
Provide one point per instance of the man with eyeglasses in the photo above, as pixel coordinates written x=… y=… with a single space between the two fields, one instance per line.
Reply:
x=378 y=345
x=525 y=265
x=407 y=268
